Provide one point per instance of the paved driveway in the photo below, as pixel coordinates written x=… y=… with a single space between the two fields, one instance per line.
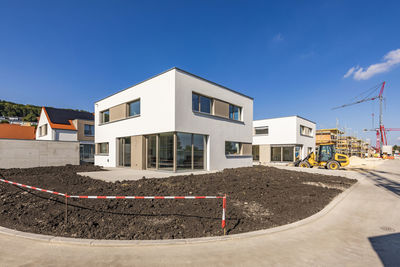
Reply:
x=361 y=230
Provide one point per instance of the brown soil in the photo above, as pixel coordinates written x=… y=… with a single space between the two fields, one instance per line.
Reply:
x=258 y=198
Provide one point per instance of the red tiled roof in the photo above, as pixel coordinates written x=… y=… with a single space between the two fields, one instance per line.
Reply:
x=15 y=131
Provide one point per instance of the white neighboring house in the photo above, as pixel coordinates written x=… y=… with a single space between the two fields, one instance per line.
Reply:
x=68 y=125
x=174 y=121
x=283 y=139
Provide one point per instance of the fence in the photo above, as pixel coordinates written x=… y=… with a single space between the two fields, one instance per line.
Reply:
x=66 y=196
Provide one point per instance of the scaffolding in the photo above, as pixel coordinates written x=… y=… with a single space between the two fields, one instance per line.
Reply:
x=348 y=145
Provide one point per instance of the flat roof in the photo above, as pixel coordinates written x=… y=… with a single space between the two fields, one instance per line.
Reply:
x=286 y=117
x=185 y=72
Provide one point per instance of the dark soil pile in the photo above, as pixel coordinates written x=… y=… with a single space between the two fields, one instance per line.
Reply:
x=257 y=198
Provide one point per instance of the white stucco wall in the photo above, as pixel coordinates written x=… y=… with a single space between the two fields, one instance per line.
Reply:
x=285 y=131
x=43 y=120
x=166 y=106
x=157 y=114
x=219 y=130
x=65 y=135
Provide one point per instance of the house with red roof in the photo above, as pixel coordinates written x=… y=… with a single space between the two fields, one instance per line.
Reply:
x=70 y=126
x=15 y=131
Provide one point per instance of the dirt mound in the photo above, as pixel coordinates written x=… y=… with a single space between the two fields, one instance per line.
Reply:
x=258 y=198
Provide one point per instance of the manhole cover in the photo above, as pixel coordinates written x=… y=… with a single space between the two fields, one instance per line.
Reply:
x=388 y=229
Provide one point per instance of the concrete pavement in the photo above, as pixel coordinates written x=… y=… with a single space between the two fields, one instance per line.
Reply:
x=362 y=229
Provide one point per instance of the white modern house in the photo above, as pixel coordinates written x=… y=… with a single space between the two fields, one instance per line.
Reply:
x=283 y=139
x=174 y=121
x=68 y=125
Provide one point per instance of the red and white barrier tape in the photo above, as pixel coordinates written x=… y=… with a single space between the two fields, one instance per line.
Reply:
x=126 y=197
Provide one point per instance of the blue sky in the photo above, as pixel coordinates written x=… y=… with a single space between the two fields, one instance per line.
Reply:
x=291 y=56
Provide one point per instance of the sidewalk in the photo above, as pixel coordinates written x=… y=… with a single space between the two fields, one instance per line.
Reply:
x=361 y=230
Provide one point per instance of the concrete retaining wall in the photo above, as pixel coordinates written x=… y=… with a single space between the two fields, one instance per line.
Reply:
x=35 y=153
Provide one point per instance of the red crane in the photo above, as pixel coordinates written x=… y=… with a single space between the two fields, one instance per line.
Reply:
x=380 y=132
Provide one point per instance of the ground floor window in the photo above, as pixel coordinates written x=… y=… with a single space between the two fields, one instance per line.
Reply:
x=176 y=151
x=86 y=152
x=285 y=153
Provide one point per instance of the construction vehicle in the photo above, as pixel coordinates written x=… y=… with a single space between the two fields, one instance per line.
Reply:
x=326 y=157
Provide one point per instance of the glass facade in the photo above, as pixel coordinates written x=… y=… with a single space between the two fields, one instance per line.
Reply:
x=152 y=151
x=190 y=151
x=166 y=151
x=198 y=151
x=184 y=151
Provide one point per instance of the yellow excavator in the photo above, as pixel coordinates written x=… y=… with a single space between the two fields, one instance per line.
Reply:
x=326 y=157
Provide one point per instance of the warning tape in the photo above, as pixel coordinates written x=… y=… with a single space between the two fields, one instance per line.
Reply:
x=126 y=197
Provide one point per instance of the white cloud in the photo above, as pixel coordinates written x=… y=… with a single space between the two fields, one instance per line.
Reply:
x=278 y=38
x=398 y=138
x=391 y=59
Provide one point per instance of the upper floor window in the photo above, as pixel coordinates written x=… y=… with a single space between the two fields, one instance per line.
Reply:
x=43 y=130
x=89 y=130
x=105 y=116
x=307 y=131
x=234 y=112
x=201 y=103
x=134 y=108
x=261 y=130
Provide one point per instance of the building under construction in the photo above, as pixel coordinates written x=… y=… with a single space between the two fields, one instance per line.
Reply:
x=348 y=145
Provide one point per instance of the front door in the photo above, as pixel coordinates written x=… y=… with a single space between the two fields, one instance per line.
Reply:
x=124 y=152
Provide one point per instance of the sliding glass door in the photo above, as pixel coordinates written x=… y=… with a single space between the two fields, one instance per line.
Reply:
x=176 y=151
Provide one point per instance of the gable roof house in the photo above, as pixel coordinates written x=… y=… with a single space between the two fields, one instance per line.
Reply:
x=68 y=125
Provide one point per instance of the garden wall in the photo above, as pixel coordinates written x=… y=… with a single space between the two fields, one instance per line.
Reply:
x=34 y=153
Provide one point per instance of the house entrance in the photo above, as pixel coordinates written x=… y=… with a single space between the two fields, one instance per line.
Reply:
x=124 y=152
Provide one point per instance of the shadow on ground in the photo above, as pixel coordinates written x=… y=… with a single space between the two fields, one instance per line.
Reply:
x=381 y=181
x=388 y=248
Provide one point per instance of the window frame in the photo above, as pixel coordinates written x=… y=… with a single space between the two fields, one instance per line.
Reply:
x=90 y=126
x=198 y=108
x=261 y=128
x=102 y=116
x=239 y=149
x=43 y=128
x=233 y=112
x=310 y=131
x=129 y=108
x=99 y=148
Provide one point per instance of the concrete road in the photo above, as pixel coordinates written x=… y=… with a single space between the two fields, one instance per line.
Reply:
x=361 y=230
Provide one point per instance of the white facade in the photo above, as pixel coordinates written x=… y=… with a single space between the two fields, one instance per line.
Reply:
x=285 y=131
x=166 y=106
x=54 y=134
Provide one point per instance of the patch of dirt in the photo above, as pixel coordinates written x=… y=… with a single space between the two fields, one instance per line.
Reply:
x=259 y=197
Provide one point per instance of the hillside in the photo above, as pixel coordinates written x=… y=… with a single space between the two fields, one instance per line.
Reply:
x=27 y=112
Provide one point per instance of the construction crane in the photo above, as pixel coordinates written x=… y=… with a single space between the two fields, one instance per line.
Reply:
x=381 y=138
x=380 y=132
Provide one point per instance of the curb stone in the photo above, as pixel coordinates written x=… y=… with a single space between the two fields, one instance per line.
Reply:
x=127 y=243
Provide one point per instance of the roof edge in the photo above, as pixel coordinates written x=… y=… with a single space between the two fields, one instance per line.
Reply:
x=181 y=70
x=287 y=117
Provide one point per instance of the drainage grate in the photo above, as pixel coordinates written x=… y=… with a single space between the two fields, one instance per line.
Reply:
x=388 y=229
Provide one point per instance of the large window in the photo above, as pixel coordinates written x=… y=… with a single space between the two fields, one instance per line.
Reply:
x=287 y=152
x=89 y=130
x=232 y=148
x=184 y=151
x=261 y=130
x=190 y=151
x=152 y=151
x=166 y=151
x=134 y=108
x=305 y=130
x=276 y=154
x=105 y=116
x=234 y=112
x=198 y=151
x=201 y=103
